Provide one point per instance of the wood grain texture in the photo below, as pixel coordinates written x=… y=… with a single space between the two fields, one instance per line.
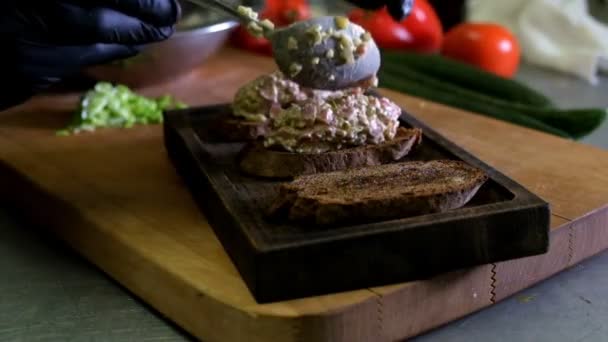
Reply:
x=515 y=275
x=441 y=299
x=589 y=235
x=115 y=198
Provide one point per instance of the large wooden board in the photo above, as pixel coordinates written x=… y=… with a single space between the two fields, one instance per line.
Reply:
x=116 y=199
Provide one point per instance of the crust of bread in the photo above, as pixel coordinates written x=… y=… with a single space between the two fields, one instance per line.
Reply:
x=234 y=129
x=259 y=161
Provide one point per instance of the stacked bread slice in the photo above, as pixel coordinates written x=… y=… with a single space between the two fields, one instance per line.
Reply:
x=369 y=182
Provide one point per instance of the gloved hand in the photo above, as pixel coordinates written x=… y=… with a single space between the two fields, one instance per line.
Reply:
x=45 y=41
x=399 y=9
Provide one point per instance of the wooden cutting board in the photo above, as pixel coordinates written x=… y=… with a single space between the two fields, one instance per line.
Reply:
x=115 y=198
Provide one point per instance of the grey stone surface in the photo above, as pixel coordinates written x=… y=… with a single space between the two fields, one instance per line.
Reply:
x=572 y=306
x=48 y=293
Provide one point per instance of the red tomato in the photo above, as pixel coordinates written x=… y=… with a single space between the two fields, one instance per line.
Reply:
x=285 y=12
x=489 y=46
x=281 y=13
x=245 y=40
x=421 y=31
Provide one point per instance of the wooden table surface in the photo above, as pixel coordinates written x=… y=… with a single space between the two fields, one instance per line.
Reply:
x=114 y=197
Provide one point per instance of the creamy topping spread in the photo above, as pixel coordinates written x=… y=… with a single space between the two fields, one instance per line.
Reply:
x=341 y=22
x=292 y=43
x=333 y=120
x=267 y=25
x=247 y=12
x=294 y=69
x=261 y=98
x=268 y=93
x=257 y=28
x=349 y=48
x=315 y=35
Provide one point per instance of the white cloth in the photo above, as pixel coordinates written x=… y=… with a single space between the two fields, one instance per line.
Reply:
x=557 y=34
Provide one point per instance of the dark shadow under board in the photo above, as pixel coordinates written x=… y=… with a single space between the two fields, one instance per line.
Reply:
x=281 y=261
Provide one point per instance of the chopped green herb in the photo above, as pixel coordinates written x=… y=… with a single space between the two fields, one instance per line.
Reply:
x=292 y=43
x=341 y=22
x=117 y=106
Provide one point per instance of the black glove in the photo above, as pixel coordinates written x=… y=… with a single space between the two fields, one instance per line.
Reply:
x=44 y=41
x=399 y=9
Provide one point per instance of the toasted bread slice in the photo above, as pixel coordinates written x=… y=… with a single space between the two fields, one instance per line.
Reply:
x=260 y=161
x=381 y=192
x=230 y=128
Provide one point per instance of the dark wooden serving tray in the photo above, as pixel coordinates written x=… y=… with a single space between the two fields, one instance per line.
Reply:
x=285 y=261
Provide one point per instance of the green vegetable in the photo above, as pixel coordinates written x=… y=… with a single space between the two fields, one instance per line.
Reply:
x=414 y=88
x=574 y=123
x=117 y=106
x=466 y=76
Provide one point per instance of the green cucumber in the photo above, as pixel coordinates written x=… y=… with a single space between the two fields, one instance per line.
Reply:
x=467 y=76
x=421 y=90
x=576 y=122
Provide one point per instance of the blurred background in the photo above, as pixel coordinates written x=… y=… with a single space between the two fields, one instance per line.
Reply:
x=537 y=63
x=202 y=31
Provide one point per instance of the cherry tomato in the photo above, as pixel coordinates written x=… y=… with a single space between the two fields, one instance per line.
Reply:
x=285 y=12
x=245 y=40
x=488 y=46
x=421 y=31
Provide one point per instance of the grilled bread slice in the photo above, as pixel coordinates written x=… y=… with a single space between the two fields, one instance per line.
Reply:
x=230 y=128
x=381 y=192
x=260 y=161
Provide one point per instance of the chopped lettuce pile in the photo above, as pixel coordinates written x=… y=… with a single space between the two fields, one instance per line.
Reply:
x=117 y=106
